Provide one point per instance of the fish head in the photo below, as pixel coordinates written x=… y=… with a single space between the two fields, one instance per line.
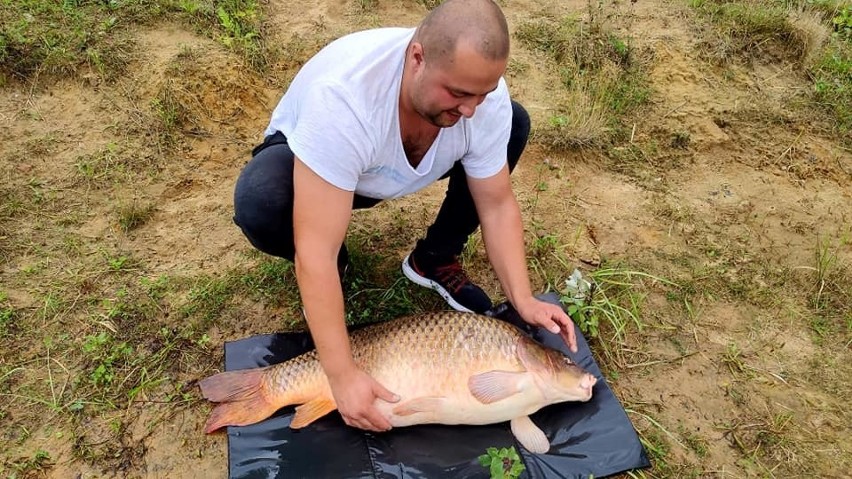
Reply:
x=557 y=376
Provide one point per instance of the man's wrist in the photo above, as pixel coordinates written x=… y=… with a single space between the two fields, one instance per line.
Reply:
x=340 y=367
x=521 y=302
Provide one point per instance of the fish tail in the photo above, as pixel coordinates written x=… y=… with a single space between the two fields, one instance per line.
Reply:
x=243 y=397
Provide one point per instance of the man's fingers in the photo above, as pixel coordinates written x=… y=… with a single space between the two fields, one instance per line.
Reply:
x=382 y=393
x=570 y=335
x=361 y=423
x=551 y=325
x=377 y=421
x=570 y=339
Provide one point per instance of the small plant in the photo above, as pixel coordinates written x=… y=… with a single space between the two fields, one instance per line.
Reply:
x=7 y=316
x=133 y=215
x=681 y=140
x=106 y=355
x=29 y=467
x=843 y=23
x=503 y=463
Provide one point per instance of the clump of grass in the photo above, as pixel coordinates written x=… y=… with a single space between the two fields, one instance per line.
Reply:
x=112 y=163
x=133 y=215
x=601 y=73
x=430 y=4
x=765 y=440
x=747 y=28
x=829 y=293
x=240 y=24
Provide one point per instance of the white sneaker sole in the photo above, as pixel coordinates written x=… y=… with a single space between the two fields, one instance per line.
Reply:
x=428 y=283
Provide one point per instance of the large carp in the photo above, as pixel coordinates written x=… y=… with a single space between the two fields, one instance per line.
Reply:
x=447 y=368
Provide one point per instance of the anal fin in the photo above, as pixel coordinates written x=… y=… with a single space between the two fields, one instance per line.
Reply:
x=529 y=435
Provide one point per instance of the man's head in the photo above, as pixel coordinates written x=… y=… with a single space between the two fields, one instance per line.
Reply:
x=457 y=56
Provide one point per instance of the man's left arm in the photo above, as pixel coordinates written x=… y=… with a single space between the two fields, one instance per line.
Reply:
x=503 y=233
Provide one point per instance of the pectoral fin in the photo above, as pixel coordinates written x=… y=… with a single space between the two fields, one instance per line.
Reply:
x=495 y=385
x=422 y=404
x=529 y=435
x=311 y=411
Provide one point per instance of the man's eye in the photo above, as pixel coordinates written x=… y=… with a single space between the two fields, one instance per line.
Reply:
x=457 y=94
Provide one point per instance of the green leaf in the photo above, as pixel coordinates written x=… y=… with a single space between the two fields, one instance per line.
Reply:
x=497 y=469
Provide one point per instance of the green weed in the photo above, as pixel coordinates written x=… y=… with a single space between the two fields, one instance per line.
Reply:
x=503 y=463
x=104 y=353
x=240 y=22
x=430 y=4
x=695 y=442
x=842 y=22
x=208 y=298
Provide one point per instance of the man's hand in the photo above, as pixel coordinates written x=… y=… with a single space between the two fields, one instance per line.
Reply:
x=551 y=317
x=354 y=392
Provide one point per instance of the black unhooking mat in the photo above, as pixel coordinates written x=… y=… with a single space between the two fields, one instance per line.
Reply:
x=594 y=438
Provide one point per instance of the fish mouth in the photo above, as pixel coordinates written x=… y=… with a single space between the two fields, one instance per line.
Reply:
x=586 y=385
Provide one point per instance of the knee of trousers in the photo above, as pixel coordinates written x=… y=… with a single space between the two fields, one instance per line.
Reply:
x=519 y=135
x=263 y=209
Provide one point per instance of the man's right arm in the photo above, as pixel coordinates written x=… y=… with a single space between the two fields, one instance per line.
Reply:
x=321 y=214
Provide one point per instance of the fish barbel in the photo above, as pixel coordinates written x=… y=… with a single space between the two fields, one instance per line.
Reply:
x=447 y=368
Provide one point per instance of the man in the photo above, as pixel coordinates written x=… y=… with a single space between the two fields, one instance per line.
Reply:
x=377 y=115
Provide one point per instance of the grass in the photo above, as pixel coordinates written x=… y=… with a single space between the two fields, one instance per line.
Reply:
x=609 y=306
x=601 y=73
x=30 y=466
x=813 y=34
x=832 y=77
x=42 y=38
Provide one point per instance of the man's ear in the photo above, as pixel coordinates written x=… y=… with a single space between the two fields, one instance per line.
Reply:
x=415 y=53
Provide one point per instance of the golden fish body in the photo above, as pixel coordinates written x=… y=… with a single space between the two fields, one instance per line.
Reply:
x=447 y=368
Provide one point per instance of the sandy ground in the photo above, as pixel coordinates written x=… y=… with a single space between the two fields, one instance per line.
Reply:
x=745 y=203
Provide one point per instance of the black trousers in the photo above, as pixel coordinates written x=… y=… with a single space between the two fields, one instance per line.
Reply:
x=263 y=198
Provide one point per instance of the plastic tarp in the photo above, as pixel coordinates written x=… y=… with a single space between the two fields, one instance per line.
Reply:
x=594 y=438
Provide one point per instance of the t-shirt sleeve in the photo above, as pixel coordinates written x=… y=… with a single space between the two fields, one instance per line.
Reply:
x=489 y=134
x=330 y=135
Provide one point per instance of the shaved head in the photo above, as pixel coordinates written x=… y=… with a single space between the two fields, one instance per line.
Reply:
x=480 y=24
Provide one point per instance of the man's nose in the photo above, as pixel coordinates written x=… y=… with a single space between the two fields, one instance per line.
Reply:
x=468 y=107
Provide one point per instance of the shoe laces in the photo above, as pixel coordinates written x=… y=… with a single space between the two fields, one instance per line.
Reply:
x=452 y=275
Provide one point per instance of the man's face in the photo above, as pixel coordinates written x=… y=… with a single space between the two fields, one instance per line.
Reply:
x=445 y=92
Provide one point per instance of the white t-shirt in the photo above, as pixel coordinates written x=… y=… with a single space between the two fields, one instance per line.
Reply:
x=340 y=116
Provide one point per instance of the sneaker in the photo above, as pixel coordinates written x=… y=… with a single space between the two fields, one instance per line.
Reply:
x=446 y=276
